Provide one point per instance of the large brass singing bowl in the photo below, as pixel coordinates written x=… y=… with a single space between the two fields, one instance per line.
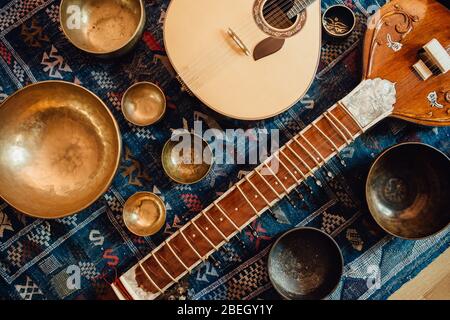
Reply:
x=408 y=190
x=107 y=28
x=59 y=149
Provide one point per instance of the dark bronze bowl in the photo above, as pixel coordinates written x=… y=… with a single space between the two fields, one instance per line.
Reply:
x=338 y=21
x=305 y=264
x=408 y=190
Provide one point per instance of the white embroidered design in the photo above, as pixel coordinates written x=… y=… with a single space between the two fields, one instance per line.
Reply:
x=370 y=101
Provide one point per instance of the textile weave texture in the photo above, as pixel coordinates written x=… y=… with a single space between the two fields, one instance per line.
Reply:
x=38 y=256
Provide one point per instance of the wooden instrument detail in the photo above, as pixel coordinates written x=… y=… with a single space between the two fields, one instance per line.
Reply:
x=391 y=87
x=393 y=44
x=220 y=51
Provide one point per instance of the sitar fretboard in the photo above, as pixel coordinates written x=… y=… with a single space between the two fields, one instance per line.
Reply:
x=257 y=192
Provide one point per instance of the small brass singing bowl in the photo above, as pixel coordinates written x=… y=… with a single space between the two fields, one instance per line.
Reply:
x=305 y=264
x=187 y=158
x=338 y=21
x=144 y=214
x=60 y=148
x=143 y=104
x=408 y=189
x=106 y=28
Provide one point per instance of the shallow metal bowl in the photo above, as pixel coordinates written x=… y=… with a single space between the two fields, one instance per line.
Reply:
x=187 y=158
x=107 y=28
x=143 y=104
x=305 y=264
x=144 y=214
x=59 y=149
x=408 y=190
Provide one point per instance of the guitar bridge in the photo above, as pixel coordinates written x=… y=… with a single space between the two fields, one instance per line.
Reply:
x=184 y=87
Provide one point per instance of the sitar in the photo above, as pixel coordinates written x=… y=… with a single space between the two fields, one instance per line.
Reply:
x=405 y=76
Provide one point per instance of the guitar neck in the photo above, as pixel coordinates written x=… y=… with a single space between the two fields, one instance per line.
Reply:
x=270 y=182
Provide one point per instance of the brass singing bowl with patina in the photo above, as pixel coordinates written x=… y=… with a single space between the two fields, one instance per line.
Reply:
x=106 y=28
x=187 y=158
x=408 y=190
x=59 y=149
x=143 y=104
x=305 y=264
x=144 y=214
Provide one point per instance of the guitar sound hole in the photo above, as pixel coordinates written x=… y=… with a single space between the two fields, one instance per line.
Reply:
x=276 y=14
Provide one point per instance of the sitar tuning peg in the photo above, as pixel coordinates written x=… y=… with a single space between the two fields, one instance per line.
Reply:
x=291 y=201
x=216 y=263
x=241 y=243
x=253 y=231
x=272 y=214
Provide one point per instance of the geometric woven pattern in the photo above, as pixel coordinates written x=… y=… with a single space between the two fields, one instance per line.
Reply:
x=75 y=257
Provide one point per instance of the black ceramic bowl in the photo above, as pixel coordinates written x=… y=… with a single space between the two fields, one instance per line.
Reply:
x=338 y=21
x=408 y=190
x=305 y=264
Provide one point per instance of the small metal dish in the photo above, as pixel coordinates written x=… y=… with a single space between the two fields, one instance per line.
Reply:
x=338 y=21
x=408 y=190
x=143 y=104
x=60 y=148
x=144 y=214
x=187 y=158
x=106 y=28
x=305 y=264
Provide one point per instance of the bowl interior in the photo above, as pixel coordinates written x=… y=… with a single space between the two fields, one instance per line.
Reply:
x=407 y=191
x=143 y=104
x=59 y=149
x=101 y=26
x=144 y=214
x=339 y=21
x=187 y=158
x=305 y=264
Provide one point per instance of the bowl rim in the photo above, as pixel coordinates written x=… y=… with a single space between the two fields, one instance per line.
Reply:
x=154 y=85
x=117 y=160
x=372 y=168
x=135 y=33
x=339 y=250
x=166 y=144
x=148 y=193
x=344 y=34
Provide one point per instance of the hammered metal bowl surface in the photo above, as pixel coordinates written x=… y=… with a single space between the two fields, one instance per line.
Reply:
x=106 y=28
x=187 y=158
x=305 y=264
x=59 y=149
x=144 y=214
x=408 y=190
x=143 y=104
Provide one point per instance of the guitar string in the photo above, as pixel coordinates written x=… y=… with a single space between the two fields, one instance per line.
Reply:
x=332 y=137
x=195 y=75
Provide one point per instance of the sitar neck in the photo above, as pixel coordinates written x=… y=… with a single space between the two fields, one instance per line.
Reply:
x=292 y=165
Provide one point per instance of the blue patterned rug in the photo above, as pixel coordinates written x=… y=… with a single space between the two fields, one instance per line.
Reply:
x=36 y=256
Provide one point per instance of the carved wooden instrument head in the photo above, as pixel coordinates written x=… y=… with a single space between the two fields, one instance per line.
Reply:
x=407 y=43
